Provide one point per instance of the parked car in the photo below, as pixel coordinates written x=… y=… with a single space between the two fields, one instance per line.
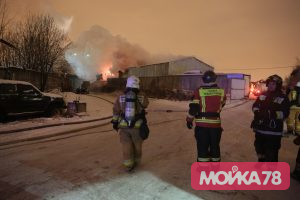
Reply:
x=82 y=91
x=23 y=98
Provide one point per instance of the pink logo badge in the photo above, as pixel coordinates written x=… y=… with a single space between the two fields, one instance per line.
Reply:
x=240 y=176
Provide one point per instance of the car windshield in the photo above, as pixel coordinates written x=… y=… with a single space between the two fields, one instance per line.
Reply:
x=7 y=89
x=27 y=89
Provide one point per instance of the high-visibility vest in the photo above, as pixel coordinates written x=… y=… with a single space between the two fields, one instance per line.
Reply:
x=210 y=101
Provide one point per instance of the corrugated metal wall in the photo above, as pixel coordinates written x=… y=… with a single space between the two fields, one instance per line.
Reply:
x=180 y=82
x=247 y=85
x=179 y=67
x=176 y=67
x=160 y=69
x=54 y=81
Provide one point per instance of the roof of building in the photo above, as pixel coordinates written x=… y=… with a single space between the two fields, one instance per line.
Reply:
x=191 y=57
x=14 y=82
x=173 y=60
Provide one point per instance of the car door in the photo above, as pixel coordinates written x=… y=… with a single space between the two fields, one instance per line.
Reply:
x=8 y=97
x=30 y=99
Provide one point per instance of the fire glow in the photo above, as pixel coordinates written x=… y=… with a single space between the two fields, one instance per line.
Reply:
x=105 y=70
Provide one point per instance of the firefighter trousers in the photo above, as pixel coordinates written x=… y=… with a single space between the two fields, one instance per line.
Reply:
x=208 y=144
x=293 y=121
x=131 y=146
x=267 y=147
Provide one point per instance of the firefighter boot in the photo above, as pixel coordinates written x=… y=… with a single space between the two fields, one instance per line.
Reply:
x=128 y=157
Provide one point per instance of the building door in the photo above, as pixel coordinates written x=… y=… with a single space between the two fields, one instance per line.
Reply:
x=237 y=89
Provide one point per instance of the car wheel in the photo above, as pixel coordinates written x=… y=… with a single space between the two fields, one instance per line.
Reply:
x=53 y=111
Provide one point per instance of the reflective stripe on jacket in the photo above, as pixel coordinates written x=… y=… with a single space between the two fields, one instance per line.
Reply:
x=119 y=110
x=270 y=110
x=206 y=106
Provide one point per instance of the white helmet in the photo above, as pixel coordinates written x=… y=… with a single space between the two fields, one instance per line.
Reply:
x=133 y=82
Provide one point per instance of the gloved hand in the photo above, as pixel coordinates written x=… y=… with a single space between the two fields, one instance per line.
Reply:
x=115 y=125
x=189 y=125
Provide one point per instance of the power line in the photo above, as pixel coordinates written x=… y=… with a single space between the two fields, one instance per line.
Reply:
x=258 y=68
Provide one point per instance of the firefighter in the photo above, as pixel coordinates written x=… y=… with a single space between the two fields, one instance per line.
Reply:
x=270 y=110
x=293 y=123
x=128 y=118
x=205 y=108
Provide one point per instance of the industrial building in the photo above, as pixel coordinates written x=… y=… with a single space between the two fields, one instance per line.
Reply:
x=186 y=75
x=186 y=65
x=236 y=86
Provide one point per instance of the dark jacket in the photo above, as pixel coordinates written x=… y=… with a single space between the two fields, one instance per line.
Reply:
x=270 y=110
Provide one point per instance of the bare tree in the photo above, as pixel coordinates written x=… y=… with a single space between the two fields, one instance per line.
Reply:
x=8 y=54
x=7 y=50
x=3 y=19
x=63 y=67
x=41 y=44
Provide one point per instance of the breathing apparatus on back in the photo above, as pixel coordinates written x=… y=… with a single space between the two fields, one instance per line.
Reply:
x=131 y=100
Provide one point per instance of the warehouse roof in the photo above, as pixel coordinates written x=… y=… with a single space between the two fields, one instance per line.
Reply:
x=173 y=60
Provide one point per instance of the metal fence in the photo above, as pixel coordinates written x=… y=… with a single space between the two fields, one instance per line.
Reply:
x=55 y=81
x=175 y=82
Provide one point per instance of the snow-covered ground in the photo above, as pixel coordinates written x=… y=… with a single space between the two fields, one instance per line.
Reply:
x=88 y=164
x=96 y=108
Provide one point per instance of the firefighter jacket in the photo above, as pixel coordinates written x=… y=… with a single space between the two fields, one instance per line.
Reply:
x=270 y=110
x=294 y=97
x=206 y=106
x=119 y=111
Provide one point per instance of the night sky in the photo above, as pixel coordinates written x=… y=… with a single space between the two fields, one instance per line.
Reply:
x=229 y=34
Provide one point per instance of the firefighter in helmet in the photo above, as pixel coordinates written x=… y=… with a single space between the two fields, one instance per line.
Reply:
x=270 y=110
x=293 y=124
x=205 y=109
x=128 y=118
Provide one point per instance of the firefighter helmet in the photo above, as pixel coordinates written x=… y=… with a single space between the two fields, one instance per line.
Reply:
x=133 y=82
x=209 y=77
x=275 y=78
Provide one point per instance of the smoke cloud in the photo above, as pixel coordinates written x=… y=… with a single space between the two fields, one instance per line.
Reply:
x=63 y=22
x=18 y=10
x=97 y=51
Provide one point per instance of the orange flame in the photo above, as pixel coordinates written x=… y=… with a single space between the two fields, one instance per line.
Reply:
x=105 y=71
